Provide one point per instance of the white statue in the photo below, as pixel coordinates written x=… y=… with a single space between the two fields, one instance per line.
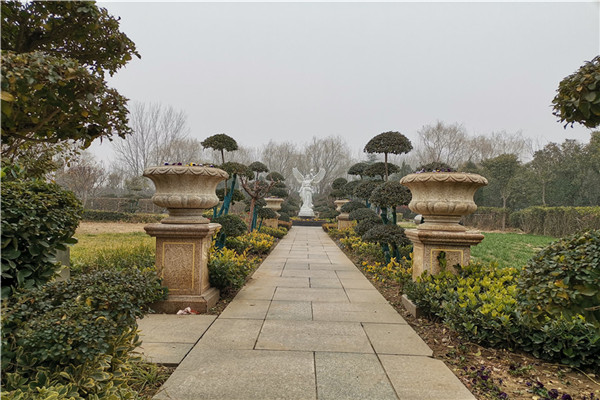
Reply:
x=306 y=189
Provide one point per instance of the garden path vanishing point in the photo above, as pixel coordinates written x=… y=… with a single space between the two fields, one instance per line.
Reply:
x=308 y=325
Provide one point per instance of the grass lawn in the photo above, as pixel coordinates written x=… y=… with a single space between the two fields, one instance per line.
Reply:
x=89 y=246
x=509 y=249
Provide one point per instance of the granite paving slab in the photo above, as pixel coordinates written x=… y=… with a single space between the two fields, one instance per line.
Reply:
x=307 y=325
x=351 y=376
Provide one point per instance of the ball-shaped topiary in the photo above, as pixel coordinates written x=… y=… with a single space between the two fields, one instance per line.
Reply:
x=339 y=183
x=378 y=169
x=231 y=225
x=392 y=234
x=563 y=279
x=366 y=225
x=266 y=213
x=364 y=190
x=391 y=194
x=363 y=213
x=350 y=187
x=358 y=169
x=351 y=206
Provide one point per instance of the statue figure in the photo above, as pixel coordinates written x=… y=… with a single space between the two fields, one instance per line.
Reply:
x=306 y=189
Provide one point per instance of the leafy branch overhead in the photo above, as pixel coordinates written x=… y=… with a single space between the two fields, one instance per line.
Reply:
x=578 y=97
x=54 y=59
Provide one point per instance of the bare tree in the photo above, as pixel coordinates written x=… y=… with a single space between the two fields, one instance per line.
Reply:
x=83 y=175
x=442 y=143
x=155 y=128
x=484 y=147
x=331 y=153
x=281 y=157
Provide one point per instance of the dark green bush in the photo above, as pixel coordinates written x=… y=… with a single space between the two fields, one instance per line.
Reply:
x=78 y=332
x=231 y=225
x=352 y=205
x=486 y=218
x=363 y=213
x=563 y=280
x=366 y=224
x=38 y=218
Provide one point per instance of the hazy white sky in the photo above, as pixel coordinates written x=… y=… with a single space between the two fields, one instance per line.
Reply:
x=290 y=71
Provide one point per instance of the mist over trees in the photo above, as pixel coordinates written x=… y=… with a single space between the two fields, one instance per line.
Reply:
x=558 y=174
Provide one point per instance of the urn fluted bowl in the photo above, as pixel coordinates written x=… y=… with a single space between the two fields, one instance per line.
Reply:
x=185 y=191
x=443 y=197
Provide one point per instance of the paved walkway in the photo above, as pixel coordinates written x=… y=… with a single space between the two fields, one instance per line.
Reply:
x=308 y=325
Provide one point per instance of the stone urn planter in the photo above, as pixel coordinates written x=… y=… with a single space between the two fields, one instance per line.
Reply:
x=185 y=191
x=183 y=238
x=343 y=221
x=274 y=203
x=442 y=198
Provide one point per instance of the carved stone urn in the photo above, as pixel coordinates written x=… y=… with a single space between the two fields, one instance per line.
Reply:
x=343 y=221
x=442 y=198
x=274 y=203
x=183 y=239
x=185 y=191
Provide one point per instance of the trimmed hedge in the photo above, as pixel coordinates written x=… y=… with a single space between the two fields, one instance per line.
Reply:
x=487 y=218
x=547 y=221
x=114 y=216
x=556 y=221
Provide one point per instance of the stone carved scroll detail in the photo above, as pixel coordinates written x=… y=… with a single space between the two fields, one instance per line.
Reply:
x=186 y=170
x=444 y=177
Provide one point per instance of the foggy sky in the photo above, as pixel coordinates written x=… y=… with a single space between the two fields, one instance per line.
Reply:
x=290 y=71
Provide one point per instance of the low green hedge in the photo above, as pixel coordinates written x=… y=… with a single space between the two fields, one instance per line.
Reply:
x=114 y=216
x=556 y=221
x=75 y=336
x=480 y=303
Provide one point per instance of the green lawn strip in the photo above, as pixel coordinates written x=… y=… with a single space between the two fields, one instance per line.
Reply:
x=509 y=249
x=89 y=245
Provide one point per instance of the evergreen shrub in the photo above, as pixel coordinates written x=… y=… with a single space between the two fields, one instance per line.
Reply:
x=38 y=218
x=77 y=333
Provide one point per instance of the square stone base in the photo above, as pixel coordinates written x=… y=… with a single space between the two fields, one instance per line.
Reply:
x=271 y=223
x=343 y=221
x=200 y=304
x=435 y=250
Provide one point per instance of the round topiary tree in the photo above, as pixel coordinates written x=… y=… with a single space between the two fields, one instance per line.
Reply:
x=337 y=187
x=390 y=195
x=231 y=226
x=220 y=142
x=351 y=206
x=388 y=143
x=379 y=169
x=350 y=187
x=358 y=169
x=563 y=280
x=364 y=190
x=363 y=213
x=366 y=224
x=388 y=236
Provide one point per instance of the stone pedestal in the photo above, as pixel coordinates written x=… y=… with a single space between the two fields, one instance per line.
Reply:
x=271 y=223
x=432 y=249
x=181 y=261
x=344 y=221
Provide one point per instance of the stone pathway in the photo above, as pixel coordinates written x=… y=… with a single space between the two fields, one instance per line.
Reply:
x=308 y=325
